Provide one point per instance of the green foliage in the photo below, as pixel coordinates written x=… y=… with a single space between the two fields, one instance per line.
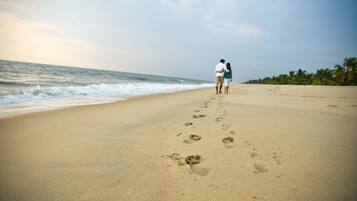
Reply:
x=339 y=75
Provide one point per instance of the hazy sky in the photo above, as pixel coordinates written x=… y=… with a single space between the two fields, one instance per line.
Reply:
x=182 y=38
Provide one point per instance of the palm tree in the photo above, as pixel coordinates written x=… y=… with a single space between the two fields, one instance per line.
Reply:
x=301 y=76
x=350 y=65
x=292 y=73
x=339 y=74
x=323 y=77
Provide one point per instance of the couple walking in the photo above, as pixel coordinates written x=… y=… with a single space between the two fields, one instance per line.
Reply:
x=223 y=76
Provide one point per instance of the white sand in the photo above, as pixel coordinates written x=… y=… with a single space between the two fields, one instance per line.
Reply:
x=281 y=143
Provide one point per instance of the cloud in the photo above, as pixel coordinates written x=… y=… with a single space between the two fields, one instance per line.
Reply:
x=218 y=18
x=27 y=40
x=247 y=31
x=241 y=30
x=181 y=3
x=12 y=6
x=41 y=42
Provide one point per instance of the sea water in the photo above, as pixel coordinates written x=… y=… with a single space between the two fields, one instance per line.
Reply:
x=27 y=87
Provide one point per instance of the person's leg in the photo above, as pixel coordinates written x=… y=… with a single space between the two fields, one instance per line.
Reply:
x=220 y=84
x=225 y=85
x=217 y=83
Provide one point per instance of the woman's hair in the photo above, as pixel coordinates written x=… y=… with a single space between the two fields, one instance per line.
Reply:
x=228 y=65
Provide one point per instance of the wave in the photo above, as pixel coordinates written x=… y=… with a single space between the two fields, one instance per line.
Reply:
x=100 y=91
x=8 y=83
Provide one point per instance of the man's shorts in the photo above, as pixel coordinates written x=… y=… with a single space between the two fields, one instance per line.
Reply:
x=219 y=81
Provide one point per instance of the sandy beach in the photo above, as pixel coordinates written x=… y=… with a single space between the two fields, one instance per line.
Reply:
x=260 y=142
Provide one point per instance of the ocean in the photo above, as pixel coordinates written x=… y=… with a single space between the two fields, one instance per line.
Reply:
x=27 y=87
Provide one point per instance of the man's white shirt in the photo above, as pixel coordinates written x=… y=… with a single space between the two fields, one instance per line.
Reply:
x=220 y=67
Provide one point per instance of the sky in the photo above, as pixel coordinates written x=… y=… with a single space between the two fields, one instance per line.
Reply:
x=181 y=38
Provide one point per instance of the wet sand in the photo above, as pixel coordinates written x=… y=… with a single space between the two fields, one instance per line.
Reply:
x=257 y=143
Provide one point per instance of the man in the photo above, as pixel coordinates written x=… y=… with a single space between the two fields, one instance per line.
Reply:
x=220 y=68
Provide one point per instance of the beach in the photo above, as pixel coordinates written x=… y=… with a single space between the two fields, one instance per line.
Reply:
x=260 y=142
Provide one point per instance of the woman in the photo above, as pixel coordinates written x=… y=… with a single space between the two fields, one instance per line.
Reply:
x=227 y=77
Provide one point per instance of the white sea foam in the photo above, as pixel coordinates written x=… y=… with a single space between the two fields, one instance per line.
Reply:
x=45 y=98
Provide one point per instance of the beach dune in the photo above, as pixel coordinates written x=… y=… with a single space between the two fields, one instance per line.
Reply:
x=260 y=142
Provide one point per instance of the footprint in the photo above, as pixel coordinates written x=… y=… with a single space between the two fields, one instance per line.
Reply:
x=225 y=126
x=228 y=142
x=219 y=119
x=193 y=161
x=253 y=155
x=261 y=166
x=279 y=176
x=213 y=186
x=195 y=116
x=331 y=105
x=196 y=110
x=276 y=157
x=188 y=124
x=192 y=139
x=232 y=132
x=175 y=157
x=258 y=198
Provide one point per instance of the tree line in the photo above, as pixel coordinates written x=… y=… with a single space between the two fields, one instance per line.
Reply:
x=340 y=75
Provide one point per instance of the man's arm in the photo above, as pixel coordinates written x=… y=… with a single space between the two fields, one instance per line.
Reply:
x=220 y=71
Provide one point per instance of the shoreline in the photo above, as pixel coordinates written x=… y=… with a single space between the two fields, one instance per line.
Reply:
x=15 y=114
x=256 y=143
x=29 y=110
